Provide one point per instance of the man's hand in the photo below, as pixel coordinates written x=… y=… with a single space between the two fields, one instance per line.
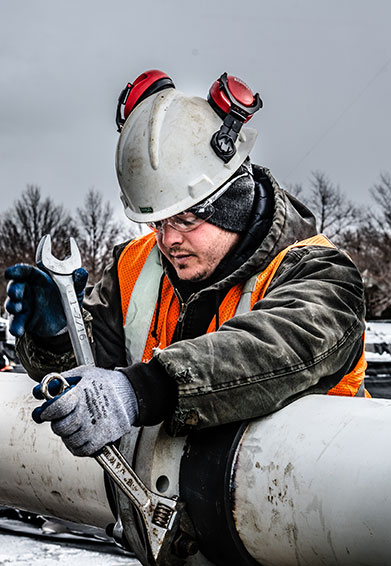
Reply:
x=34 y=300
x=99 y=407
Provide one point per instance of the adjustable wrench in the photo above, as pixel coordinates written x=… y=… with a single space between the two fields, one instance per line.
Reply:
x=160 y=515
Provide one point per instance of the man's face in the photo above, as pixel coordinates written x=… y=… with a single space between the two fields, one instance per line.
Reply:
x=195 y=254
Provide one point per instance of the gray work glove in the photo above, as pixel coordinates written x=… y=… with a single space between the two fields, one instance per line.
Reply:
x=99 y=407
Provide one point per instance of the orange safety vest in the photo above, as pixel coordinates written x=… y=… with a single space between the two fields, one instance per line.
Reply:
x=131 y=265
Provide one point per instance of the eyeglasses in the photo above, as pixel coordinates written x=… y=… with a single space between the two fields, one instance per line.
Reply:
x=189 y=220
x=183 y=222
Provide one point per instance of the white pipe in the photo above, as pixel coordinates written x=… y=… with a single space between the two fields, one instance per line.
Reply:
x=313 y=484
x=37 y=472
x=310 y=484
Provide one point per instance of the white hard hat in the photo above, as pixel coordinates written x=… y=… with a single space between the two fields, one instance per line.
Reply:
x=165 y=161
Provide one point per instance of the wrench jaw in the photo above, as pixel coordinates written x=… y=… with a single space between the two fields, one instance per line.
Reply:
x=165 y=537
x=38 y=252
x=52 y=264
x=178 y=541
x=62 y=385
x=169 y=543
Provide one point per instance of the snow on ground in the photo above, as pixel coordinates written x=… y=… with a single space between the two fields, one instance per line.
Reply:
x=16 y=550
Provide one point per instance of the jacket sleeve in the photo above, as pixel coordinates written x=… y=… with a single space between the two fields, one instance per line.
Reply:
x=302 y=338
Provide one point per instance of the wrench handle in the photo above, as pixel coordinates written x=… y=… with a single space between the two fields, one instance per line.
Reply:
x=160 y=515
x=76 y=327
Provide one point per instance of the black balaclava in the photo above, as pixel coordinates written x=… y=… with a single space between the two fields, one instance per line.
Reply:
x=233 y=208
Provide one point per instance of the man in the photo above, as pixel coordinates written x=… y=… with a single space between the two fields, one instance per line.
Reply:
x=231 y=308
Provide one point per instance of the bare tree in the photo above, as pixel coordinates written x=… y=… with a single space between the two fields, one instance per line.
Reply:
x=381 y=193
x=23 y=225
x=334 y=212
x=369 y=250
x=357 y=232
x=372 y=251
x=370 y=246
x=98 y=232
x=297 y=190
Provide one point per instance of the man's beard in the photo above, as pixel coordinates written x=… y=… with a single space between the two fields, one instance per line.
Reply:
x=197 y=277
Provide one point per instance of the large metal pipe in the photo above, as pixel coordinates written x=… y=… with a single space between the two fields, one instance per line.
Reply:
x=37 y=473
x=313 y=484
x=308 y=485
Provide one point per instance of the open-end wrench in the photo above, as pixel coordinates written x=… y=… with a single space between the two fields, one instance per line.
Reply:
x=160 y=515
x=61 y=273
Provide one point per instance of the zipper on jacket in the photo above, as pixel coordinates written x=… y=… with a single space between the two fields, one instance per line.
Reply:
x=183 y=306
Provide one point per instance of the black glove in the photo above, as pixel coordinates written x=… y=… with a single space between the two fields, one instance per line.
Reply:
x=34 y=301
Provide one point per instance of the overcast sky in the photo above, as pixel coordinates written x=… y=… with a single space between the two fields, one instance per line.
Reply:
x=323 y=69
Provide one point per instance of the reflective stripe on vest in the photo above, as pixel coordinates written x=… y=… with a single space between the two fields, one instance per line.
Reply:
x=140 y=273
x=139 y=277
x=142 y=306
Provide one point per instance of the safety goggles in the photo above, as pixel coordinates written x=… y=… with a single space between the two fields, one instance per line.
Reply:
x=183 y=222
x=190 y=219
